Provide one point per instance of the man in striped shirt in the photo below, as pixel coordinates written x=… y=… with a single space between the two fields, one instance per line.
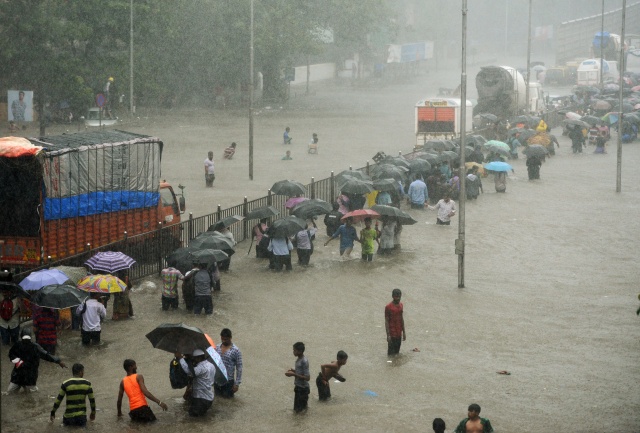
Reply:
x=232 y=359
x=77 y=390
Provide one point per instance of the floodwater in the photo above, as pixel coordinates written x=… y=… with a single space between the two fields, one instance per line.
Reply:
x=551 y=291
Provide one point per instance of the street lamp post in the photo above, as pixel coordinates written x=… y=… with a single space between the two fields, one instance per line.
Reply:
x=461 y=177
x=528 y=80
x=620 y=101
x=602 y=47
x=251 y=98
x=131 y=106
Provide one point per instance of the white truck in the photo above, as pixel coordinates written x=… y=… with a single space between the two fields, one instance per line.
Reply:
x=440 y=118
x=589 y=72
x=502 y=92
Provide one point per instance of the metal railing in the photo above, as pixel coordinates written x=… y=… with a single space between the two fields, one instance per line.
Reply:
x=150 y=249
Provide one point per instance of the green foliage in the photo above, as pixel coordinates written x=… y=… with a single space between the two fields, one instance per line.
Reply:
x=185 y=51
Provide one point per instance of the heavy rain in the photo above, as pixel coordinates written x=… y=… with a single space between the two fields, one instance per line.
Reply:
x=543 y=333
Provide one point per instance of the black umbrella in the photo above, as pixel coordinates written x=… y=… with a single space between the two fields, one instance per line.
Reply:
x=388 y=170
x=591 y=120
x=535 y=150
x=178 y=337
x=311 y=208
x=403 y=217
x=525 y=135
x=286 y=227
x=355 y=186
x=450 y=155
x=429 y=157
x=262 y=212
x=419 y=165
x=397 y=161
x=490 y=117
x=208 y=256
x=290 y=188
x=576 y=122
x=15 y=289
x=435 y=145
x=212 y=240
x=385 y=185
x=180 y=260
x=59 y=296
x=349 y=174
x=225 y=222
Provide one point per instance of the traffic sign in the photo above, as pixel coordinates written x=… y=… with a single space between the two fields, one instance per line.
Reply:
x=100 y=100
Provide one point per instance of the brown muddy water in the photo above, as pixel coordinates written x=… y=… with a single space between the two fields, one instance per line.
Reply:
x=551 y=292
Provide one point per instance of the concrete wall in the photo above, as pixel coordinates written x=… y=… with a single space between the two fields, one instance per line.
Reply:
x=321 y=71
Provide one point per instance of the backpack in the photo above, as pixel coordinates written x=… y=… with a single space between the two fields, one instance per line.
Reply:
x=6 y=309
x=178 y=378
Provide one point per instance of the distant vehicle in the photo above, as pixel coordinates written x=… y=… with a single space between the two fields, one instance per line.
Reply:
x=93 y=118
x=589 y=72
x=606 y=43
x=440 y=118
x=502 y=92
x=561 y=75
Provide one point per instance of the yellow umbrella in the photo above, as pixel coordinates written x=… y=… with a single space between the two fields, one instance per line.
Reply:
x=102 y=284
x=481 y=170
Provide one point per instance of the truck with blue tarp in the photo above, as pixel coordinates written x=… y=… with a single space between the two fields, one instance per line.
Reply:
x=60 y=195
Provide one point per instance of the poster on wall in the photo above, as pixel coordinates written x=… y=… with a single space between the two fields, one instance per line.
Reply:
x=20 y=104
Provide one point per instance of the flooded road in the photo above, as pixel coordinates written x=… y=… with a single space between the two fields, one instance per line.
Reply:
x=551 y=293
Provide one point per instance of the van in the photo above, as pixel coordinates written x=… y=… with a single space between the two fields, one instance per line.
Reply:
x=561 y=75
x=589 y=71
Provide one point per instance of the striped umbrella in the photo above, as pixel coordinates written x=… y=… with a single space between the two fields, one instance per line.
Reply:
x=102 y=284
x=110 y=261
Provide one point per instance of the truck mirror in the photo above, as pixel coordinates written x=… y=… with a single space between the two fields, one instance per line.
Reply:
x=182 y=203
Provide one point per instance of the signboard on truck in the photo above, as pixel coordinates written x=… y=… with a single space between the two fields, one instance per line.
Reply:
x=440 y=117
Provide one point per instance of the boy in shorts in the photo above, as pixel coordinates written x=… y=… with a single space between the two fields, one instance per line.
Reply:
x=327 y=371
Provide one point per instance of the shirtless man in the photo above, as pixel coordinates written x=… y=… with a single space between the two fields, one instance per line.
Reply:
x=327 y=371
x=474 y=424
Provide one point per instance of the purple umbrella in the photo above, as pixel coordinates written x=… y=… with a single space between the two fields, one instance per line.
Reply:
x=38 y=279
x=110 y=261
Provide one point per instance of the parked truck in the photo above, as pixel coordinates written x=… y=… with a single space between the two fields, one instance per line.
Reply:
x=607 y=44
x=60 y=195
x=440 y=118
x=502 y=92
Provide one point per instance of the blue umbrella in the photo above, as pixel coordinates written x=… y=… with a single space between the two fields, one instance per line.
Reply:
x=498 y=166
x=38 y=279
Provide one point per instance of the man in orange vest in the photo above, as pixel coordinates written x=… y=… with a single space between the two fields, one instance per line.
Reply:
x=133 y=385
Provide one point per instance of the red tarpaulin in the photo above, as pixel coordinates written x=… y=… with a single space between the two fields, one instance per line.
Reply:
x=13 y=147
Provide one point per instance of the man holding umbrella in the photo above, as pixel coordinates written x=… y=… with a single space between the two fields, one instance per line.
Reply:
x=203 y=374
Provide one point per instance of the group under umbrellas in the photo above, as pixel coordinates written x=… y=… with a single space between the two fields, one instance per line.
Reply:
x=179 y=337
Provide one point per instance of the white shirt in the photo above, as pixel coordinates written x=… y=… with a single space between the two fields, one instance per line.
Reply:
x=208 y=165
x=203 y=376
x=444 y=209
x=91 y=318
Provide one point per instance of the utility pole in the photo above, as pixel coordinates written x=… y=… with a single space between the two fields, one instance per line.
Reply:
x=251 y=98
x=463 y=140
x=620 y=101
x=131 y=106
x=602 y=47
x=527 y=104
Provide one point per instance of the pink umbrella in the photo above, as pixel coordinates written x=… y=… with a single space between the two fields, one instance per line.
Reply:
x=635 y=89
x=636 y=107
x=361 y=214
x=292 y=202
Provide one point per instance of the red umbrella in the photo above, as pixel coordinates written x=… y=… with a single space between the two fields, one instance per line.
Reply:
x=360 y=214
